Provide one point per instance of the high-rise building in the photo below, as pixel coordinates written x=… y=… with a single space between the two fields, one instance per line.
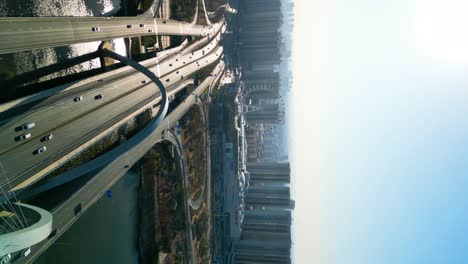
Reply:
x=268 y=197
x=269 y=173
x=259 y=41
x=261 y=89
x=265 y=114
x=264 y=57
x=263 y=252
x=266 y=225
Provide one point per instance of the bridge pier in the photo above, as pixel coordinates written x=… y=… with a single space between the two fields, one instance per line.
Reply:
x=38 y=226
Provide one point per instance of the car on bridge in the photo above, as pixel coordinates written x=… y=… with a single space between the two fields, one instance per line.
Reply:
x=47 y=138
x=23 y=137
x=40 y=150
x=26 y=126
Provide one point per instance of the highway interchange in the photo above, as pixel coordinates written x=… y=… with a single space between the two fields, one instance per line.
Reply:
x=127 y=154
x=61 y=116
x=81 y=113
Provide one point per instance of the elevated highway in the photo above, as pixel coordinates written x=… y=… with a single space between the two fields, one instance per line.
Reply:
x=102 y=79
x=19 y=34
x=119 y=162
x=77 y=125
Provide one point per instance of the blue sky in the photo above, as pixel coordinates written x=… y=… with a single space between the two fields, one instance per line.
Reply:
x=380 y=131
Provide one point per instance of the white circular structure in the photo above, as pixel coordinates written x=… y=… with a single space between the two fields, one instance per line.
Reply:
x=36 y=231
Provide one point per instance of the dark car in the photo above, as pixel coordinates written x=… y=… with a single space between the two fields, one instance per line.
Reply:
x=47 y=138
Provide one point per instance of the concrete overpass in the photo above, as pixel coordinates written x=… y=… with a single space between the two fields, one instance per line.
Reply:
x=88 y=121
x=27 y=33
x=118 y=162
x=37 y=227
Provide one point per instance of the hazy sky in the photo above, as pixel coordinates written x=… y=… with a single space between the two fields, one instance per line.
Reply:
x=380 y=131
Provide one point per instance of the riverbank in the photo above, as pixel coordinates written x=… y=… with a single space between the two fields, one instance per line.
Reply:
x=161 y=225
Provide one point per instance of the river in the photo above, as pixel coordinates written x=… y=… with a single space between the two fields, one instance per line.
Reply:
x=106 y=233
x=13 y=64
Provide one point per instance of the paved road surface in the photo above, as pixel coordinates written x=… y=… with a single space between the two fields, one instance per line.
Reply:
x=19 y=34
x=121 y=161
x=183 y=49
x=85 y=121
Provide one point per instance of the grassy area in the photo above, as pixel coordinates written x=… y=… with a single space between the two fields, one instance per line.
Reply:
x=201 y=241
x=183 y=10
x=169 y=217
x=193 y=141
x=201 y=20
x=148 y=41
x=148 y=208
x=230 y=111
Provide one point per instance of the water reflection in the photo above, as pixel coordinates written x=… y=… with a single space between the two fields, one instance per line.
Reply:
x=21 y=62
x=30 y=8
x=106 y=233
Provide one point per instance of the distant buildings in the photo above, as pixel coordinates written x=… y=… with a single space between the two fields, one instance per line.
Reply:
x=264 y=54
x=266 y=113
x=259 y=41
x=269 y=174
x=266 y=230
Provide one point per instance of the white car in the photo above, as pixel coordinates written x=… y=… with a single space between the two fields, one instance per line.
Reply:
x=77 y=99
x=41 y=150
x=5 y=259
x=95 y=29
x=26 y=252
x=23 y=137
x=26 y=126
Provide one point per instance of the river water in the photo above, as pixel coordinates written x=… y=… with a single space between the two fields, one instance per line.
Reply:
x=107 y=232
x=21 y=62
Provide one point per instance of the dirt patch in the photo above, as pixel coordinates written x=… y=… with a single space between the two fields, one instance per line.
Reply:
x=193 y=141
x=162 y=214
x=201 y=230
